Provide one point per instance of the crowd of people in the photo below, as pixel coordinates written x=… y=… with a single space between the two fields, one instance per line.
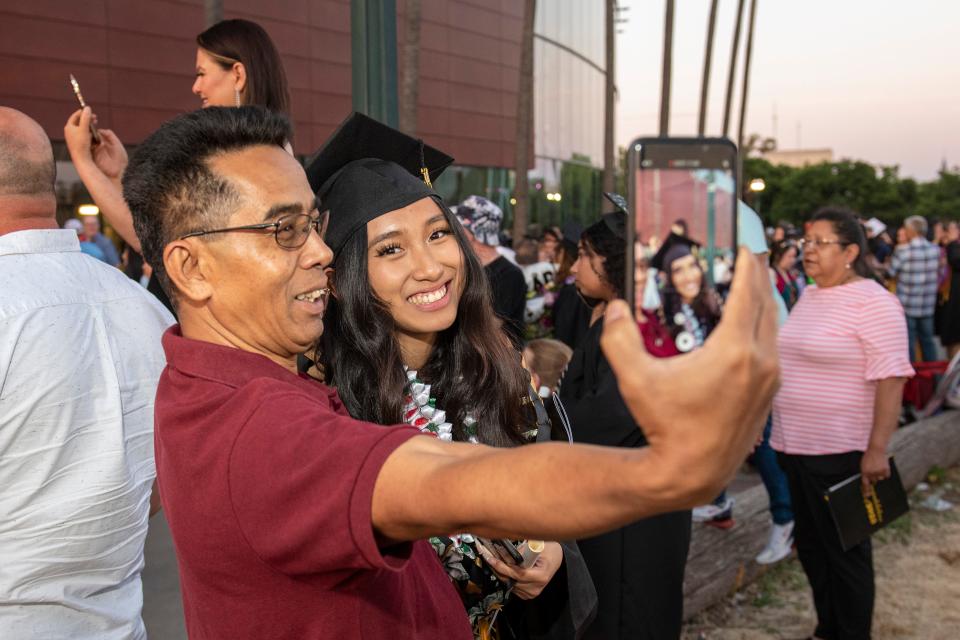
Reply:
x=298 y=330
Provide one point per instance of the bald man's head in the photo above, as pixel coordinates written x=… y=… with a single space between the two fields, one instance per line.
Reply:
x=27 y=167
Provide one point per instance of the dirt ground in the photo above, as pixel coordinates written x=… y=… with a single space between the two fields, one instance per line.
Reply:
x=917 y=564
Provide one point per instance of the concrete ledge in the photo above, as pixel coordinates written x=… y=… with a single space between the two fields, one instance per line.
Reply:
x=721 y=562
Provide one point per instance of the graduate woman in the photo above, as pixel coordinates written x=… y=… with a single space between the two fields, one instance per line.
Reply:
x=638 y=569
x=411 y=336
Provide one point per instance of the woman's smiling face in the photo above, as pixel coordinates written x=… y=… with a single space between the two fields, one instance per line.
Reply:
x=415 y=267
x=687 y=278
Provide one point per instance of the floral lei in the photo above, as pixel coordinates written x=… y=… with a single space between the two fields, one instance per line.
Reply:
x=480 y=590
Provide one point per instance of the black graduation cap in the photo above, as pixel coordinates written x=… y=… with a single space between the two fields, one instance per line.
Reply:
x=616 y=221
x=618 y=201
x=366 y=169
x=673 y=248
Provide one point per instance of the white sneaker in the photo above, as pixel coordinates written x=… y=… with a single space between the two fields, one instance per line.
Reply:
x=779 y=545
x=708 y=512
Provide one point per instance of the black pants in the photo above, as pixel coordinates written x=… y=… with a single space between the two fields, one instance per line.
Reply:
x=842 y=581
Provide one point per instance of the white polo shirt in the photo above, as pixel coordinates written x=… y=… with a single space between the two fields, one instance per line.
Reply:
x=80 y=357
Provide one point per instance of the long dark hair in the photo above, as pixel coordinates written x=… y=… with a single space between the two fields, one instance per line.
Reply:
x=472 y=369
x=568 y=255
x=706 y=305
x=231 y=41
x=850 y=232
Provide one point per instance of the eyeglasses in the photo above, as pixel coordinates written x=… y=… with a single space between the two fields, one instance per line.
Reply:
x=290 y=232
x=818 y=243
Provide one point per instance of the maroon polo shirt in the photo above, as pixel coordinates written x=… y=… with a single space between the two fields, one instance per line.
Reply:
x=267 y=485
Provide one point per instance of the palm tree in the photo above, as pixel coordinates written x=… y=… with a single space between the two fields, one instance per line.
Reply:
x=410 y=69
x=707 y=58
x=744 y=89
x=212 y=11
x=667 y=70
x=524 y=123
x=732 y=69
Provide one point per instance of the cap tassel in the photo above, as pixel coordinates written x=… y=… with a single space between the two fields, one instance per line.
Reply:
x=423 y=167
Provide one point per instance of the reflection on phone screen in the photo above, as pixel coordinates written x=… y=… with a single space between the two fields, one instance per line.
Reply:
x=695 y=203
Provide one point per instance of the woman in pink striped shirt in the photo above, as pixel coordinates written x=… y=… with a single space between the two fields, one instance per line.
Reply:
x=844 y=364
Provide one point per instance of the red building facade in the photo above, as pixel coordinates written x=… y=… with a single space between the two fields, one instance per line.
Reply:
x=135 y=60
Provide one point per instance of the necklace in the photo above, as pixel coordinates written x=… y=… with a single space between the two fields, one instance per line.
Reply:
x=420 y=410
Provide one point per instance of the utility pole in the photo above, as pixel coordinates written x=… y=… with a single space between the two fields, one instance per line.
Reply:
x=373 y=40
x=524 y=124
x=609 y=163
x=733 y=69
x=667 y=64
x=745 y=89
x=707 y=59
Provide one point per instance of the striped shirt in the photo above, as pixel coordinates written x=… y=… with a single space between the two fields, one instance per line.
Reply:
x=837 y=343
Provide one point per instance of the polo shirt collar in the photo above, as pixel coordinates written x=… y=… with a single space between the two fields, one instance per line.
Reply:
x=229 y=365
x=32 y=241
x=234 y=367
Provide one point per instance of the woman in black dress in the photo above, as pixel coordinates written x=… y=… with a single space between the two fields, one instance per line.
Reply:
x=638 y=569
x=950 y=311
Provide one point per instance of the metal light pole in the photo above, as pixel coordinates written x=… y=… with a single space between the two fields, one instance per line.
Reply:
x=707 y=59
x=609 y=161
x=373 y=30
x=667 y=64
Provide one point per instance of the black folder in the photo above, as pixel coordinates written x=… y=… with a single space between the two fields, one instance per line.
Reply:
x=857 y=514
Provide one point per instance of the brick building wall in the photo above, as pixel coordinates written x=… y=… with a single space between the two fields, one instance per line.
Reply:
x=135 y=59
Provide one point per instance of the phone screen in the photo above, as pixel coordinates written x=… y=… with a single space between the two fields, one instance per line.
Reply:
x=685 y=186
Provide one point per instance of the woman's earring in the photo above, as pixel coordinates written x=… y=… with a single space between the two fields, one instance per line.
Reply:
x=848 y=265
x=236 y=95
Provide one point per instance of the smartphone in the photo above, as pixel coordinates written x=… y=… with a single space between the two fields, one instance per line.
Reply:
x=502 y=549
x=76 y=91
x=687 y=185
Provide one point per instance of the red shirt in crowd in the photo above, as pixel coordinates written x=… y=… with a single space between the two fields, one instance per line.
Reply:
x=267 y=485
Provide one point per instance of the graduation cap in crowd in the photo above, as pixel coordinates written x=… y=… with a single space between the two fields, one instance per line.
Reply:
x=673 y=248
x=367 y=169
x=616 y=221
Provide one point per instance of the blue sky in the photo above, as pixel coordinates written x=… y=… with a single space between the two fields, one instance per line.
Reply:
x=873 y=80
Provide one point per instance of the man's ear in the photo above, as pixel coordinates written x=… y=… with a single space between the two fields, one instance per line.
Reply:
x=239 y=76
x=186 y=262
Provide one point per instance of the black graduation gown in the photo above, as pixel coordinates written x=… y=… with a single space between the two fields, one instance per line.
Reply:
x=571 y=316
x=509 y=288
x=638 y=569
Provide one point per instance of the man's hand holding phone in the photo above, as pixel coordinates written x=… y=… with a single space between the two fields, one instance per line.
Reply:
x=703 y=411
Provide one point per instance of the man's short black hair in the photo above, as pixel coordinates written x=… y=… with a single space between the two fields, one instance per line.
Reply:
x=169 y=186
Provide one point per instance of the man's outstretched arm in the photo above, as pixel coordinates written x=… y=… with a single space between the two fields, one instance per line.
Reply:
x=701 y=414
